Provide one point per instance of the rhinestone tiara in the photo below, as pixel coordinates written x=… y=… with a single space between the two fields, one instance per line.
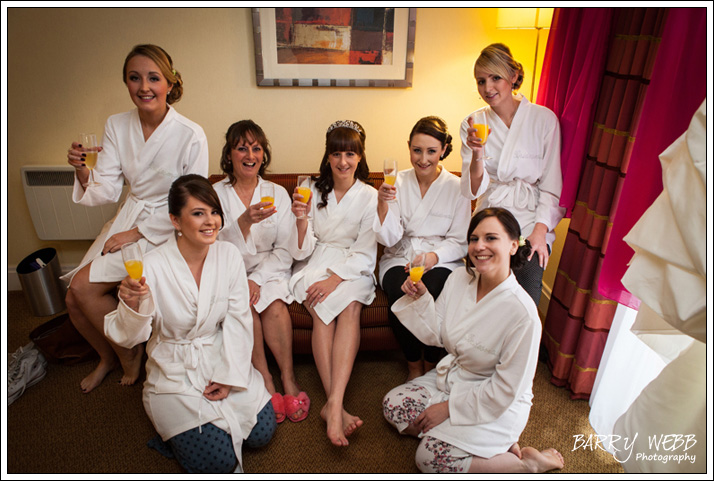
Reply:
x=349 y=124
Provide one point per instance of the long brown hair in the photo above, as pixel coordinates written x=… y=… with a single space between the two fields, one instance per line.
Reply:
x=342 y=136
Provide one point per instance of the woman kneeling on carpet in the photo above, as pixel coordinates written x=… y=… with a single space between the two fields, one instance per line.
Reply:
x=202 y=394
x=472 y=408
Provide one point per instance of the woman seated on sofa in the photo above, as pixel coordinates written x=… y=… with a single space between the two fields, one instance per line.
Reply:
x=471 y=410
x=202 y=394
x=426 y=212
x=261 y=232
x=338 y=250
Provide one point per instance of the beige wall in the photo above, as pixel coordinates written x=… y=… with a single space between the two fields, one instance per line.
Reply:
x=64 y=75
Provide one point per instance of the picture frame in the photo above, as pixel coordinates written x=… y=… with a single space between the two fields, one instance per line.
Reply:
x=300 y=66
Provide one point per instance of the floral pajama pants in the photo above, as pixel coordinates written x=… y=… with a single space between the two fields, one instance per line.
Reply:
x=402 y=405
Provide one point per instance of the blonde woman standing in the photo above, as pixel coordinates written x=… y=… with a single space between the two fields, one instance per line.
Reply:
x=517 y=166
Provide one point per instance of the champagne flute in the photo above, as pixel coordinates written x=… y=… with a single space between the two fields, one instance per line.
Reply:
x=303 y=188
x=482 y=131
x=133 y=260
x=267 y=194
x=91 y=152
x=416 y=266
x=390 y=172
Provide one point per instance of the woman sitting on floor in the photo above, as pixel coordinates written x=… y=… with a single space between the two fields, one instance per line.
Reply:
x=202 y=393
x=471 y=409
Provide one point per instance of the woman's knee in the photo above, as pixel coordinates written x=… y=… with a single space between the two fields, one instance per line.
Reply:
x=70 y=300
x=205 y=450
x=353 y=310
x=403 y=404
x=276 y=313
x=264 y=428
x=436 y=456
x=79 y=285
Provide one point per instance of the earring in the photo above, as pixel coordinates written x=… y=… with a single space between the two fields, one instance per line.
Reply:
x=179 y=233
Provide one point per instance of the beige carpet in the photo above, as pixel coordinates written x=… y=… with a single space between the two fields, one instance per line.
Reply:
x=54 y=428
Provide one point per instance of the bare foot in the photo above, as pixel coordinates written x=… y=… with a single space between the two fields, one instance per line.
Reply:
x=350 y=423
x=335 y=430
x=516 y=449
x=96 y=377
x=132 y=365
x=542 y=461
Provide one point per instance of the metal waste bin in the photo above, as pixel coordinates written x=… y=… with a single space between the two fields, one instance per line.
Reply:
x=39 y=276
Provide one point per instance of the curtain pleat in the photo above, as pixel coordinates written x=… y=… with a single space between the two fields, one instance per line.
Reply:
x=579 y=318
x=677 y=89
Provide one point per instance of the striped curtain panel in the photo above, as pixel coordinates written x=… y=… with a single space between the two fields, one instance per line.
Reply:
x=579 y=318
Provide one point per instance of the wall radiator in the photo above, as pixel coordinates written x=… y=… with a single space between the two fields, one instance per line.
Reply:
x=48 y=191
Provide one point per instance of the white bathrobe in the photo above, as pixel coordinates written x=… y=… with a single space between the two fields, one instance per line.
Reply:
x=523 y=174
x=436 y=223
x=339 y=240
x=195 y=336
x=265 y=251
x=487 y=375
x=178 y=146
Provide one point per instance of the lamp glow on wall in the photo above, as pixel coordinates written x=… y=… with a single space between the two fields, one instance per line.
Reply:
x=526 y=18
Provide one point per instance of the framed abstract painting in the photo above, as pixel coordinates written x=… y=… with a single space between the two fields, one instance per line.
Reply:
x=334 y=47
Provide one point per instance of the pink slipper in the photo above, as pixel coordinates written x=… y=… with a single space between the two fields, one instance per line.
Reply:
x=278 y=407
x=294 y=404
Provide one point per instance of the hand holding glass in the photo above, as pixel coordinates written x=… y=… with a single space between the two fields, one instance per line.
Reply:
x=88 y=141
x=133 y=260
x=482 y=131
x=416 y=266
x=303 y=188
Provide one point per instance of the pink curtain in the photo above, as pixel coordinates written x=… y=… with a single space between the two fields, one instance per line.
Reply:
x=572 y=68
x=579 y=318
x=677 y=89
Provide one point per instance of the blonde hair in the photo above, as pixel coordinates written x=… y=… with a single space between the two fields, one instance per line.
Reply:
x=497 y=59
x=162 y=60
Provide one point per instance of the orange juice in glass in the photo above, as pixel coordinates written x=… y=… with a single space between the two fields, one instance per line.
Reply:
x=133 y=260
x=267 y=194
x=390 y=171
x=482 y=131
x=303 y=188
x=91 y=152
x=416 y=266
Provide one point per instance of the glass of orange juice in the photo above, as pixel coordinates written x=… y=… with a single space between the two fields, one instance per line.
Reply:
x=91 y=152
x=267 y=194
x=390 y=171
x=133 y=260
x=482 y=131
x=416 y=266
x=303 y=188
